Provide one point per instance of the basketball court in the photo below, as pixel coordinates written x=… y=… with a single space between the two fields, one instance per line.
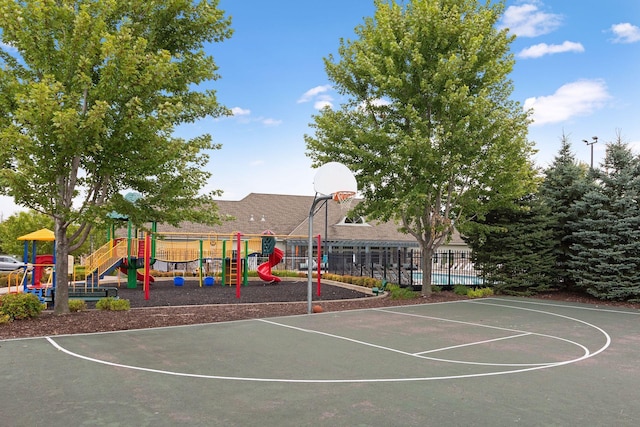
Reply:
x=495 y=361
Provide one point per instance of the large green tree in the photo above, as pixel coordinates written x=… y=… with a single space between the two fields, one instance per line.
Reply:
x=90 y=94
x=513 y=248
x=565 y=182
x=22 y=223
x=427 y=124
x=605 y=254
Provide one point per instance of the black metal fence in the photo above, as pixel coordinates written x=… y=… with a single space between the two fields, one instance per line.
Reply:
x=405 y=267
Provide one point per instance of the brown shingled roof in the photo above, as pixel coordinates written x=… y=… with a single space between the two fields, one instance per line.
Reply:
x=287 y=215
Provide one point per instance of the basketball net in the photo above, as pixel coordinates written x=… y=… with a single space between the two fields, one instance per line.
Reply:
x=344 y=199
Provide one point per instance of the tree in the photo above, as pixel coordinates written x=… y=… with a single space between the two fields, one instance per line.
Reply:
x=22 y=223
x=90 y=93
x=605 y=256
x=428 y=127
x=513 y=248
x=565 y=183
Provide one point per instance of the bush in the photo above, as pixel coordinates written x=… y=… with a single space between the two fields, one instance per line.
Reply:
x=372 y=283
x=480 y=292
x=113 y=304
x=20 y=306
x=120 y=305
x=4 y=318
x=460 y=290
x=76 y=305
x=396 y=292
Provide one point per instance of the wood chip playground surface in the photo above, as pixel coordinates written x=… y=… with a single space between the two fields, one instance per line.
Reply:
x=485 y=362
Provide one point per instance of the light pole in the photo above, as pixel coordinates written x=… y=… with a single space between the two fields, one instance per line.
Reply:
x=594 y=139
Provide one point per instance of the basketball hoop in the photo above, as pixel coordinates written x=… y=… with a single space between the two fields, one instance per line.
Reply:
x=344 y=199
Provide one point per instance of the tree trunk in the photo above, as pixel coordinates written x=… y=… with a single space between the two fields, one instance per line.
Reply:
x=61 y=305
x=427 y=254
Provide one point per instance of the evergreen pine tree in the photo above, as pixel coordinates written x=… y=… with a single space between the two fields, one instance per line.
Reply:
x=605 y=258
x=513 y=248
x=566 y=182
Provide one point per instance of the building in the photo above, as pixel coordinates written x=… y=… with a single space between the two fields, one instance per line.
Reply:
x=345 y=240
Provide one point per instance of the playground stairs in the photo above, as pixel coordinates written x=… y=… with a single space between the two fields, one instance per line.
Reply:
x=104 y=260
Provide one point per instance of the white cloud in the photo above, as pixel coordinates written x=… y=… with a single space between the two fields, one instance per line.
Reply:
x=538 y=50
x=378 y=102
x=323 y=101
x=237 y=111
x=625 y=33
x=242 y=114
x=528 y=21
x=319 y=105
x=271 y=122
x=573 y=99
x=313 y=92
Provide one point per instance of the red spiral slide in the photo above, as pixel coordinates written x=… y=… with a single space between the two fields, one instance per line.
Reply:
x=264 y=269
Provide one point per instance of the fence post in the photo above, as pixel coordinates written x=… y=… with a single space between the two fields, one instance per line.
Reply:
x=450 y=262
x=411 y=268
x=399 y=268
x=384 y=265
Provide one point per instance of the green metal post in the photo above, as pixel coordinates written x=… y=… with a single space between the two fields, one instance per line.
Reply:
x=245 y=274
x=224 y=262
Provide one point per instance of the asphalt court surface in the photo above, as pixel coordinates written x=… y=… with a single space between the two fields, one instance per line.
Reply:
x=494 y=361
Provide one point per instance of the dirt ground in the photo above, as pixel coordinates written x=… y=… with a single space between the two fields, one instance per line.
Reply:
x=170 y=305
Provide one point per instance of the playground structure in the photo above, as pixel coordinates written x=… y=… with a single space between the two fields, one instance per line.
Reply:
x=29 y=276
x=333 y=181
x=228 y=256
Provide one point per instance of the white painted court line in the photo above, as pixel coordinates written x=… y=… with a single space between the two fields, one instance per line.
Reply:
x=472 y=343
x=420 y=355
x=520 y=368
x=602 y=331
x=548 y=304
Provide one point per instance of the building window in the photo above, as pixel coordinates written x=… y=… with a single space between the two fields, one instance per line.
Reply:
x=348 y=220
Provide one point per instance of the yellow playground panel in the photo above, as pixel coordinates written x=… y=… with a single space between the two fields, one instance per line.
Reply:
x=185 y=248
x=173 y=247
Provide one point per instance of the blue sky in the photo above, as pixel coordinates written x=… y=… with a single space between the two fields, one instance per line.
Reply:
x=578 y=67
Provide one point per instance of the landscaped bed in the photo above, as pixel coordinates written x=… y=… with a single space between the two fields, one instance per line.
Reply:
x=171 y=305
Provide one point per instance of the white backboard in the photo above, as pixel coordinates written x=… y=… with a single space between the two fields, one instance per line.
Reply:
x=333 y=177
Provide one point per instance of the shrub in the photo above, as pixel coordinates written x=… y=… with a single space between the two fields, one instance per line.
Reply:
x=120 y=305
x=372 y=283
x=104 y=303
x=113 y=304
x=76 y=305
x=20 y=306
x=480 y=292
x=460 y=290
x=435 y=289
x=396 y=292
x=4 y=318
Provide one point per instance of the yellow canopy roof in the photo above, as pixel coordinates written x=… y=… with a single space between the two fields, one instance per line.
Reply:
x=44 y=235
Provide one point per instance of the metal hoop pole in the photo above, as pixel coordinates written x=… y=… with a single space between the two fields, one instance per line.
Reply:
x=316 y=200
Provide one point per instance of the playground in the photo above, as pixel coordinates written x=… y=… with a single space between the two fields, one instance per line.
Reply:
x=494 y=361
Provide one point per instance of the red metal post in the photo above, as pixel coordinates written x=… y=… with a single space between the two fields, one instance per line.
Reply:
x=147 y=264
x=319 y=262
x=238 y=267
